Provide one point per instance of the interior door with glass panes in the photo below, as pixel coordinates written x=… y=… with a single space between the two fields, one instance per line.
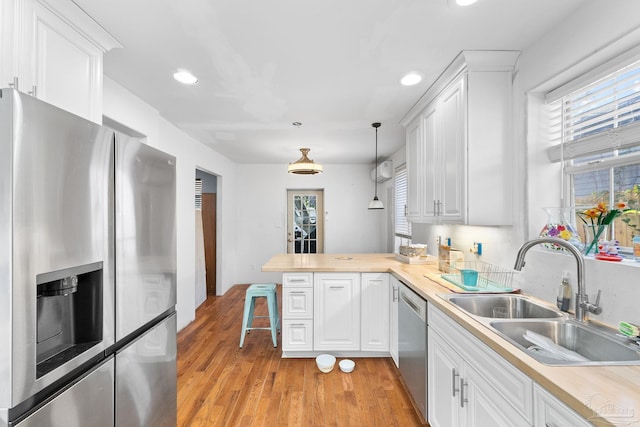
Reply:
x=305 y=222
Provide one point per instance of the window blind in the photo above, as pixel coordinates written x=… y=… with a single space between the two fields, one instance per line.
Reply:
x=198 y=191
x=600 y=117
x=595 y=129
x=402 y=226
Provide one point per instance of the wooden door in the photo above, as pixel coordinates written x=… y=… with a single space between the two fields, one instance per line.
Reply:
x=209 y=226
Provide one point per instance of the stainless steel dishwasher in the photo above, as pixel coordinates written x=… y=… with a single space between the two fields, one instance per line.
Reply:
x=412 y=345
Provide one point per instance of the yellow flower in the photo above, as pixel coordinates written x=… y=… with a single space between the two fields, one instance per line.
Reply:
x=602 y=207
x=566 y=234
x=621 y=205
x=592 y=213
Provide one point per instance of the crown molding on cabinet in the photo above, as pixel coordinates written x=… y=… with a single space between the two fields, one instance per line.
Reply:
x=465 y=61
x=76 y=18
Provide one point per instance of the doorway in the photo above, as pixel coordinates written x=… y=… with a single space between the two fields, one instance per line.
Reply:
x=208 y=207
x=209 y=203
x=305 y=221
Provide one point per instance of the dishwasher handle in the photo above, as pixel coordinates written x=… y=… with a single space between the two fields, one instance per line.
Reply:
x=417 y=308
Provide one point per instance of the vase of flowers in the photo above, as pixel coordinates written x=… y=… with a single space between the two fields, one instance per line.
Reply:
x=596 y=224
x=559 y=226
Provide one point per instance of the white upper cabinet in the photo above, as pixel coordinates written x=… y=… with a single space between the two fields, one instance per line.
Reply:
x=458 y=151
x=52 y=50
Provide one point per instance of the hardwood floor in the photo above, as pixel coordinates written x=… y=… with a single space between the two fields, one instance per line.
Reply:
x=220 y=384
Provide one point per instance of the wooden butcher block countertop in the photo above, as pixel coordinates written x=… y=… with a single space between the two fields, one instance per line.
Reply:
x=615 y=387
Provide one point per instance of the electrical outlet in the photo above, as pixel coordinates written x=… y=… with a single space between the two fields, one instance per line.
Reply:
x=476 y=249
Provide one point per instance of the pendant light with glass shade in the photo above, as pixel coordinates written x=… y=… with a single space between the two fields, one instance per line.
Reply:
x=304 y=165
x=376 y=203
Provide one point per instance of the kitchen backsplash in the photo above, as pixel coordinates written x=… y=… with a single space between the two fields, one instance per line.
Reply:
x=544 y=270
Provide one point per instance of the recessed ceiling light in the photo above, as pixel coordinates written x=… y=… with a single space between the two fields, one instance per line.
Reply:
x=465 y=2
x=411 y=79
x=185 y=77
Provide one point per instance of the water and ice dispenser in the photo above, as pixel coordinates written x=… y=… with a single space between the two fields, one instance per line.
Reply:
x=69 y=315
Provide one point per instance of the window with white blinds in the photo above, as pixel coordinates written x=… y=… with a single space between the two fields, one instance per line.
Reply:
x=402 y=226
x=599 y=117
x=597 y=133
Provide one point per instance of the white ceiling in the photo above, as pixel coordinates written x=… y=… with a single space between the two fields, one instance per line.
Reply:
x=333 y=65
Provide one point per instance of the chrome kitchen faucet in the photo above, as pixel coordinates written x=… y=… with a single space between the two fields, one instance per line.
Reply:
x=582 y=299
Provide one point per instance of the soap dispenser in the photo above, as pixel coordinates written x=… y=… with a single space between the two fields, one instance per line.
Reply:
x=564 y=295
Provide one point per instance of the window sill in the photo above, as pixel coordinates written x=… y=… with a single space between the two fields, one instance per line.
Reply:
x=626 y=261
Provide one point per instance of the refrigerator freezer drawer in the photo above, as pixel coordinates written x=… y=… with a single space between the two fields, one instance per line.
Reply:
x=89 y=402
x=146 y=379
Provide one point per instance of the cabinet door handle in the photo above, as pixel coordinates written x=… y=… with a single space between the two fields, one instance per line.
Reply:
x=395 y=294
x=34 y=91
x=463 y=399
x=435 y=208
x=454 y=381
x=14 y=84
x=298 y=324
x=297 y=292
x=336 y=287
x=549 y=424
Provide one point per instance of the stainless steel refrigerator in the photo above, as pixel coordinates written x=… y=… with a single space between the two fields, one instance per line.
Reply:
x=145 y=189
x=87 y=273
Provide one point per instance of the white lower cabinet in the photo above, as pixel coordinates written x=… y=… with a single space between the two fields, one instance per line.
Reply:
x=336 y=312
x=550 y=412
x=394 y=293
x=336 y=309
x=297 y=312
x=468 y=384
x=374 y=315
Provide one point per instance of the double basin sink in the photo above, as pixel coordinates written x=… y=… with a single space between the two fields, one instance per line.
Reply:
x=546 y=334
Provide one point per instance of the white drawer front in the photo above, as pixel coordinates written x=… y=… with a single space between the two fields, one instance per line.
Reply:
x=297 y=303
x=297 y=279
x=297 y=335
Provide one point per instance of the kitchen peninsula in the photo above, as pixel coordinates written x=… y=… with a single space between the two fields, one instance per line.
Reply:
x=601 y=395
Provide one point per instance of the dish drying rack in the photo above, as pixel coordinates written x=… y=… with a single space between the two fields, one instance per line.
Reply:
x=491 y=278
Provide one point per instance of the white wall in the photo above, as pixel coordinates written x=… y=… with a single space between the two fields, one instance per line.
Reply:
x=600 y=30
x=125 y=108
x=262 y=214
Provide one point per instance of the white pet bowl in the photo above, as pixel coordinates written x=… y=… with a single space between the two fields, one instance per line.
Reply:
x=325 y=362
x=347 y=365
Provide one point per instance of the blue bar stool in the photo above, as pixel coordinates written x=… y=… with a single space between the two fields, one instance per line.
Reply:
x=262 y=290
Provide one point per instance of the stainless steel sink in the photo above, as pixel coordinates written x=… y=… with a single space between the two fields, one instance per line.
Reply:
x=592 y=344
x=509 y=306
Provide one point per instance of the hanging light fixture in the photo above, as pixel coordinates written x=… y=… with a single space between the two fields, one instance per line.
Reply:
x=375 y=203
x=304 y=165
